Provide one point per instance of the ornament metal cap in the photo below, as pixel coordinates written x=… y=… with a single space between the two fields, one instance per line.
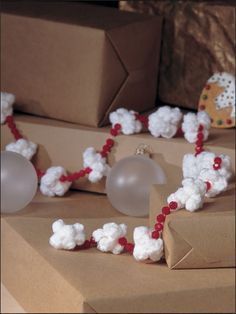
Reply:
x=144 y=150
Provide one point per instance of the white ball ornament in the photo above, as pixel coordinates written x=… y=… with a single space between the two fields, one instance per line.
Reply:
x=19 y=182
x=128 y=184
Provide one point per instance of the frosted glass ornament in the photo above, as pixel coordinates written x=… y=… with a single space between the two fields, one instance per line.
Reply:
x=128 y=184
x=18 y=182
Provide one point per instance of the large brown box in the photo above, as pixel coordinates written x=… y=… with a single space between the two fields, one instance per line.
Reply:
x=203 y=239
x=44 y=280
x=76 y=62
x=198 y=40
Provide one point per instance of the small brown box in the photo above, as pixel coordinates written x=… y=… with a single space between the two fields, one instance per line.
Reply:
x=203 y=239
x=76 y=62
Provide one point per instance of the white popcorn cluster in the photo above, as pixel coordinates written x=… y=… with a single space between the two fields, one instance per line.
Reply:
x=107 y=237
x=191 y=195
x=97 y=163
x=23 y=147
x=66 y=237
x=127 y=120
x=164 y=122
x=145 y=246
x=227 y=97
x=201 y=167
x=191 y=124
x=7 y=100
x=50 y=184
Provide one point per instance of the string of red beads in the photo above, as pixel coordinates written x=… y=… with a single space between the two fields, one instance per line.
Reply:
x=199 y=142
x=12 y=126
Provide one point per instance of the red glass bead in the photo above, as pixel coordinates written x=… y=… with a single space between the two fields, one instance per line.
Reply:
x=103 y=154
x=158 y=226
x=161 y=218
x=114 y=132
x=87 y=170
x=200 y=136
x=117 y=126
x=199 y=143
x=82 y=173
x=173 y=205
x=200 y=128
x=207 y=87
x=106 y=148
x=216 y=166
x=129 y=247
x=165 y=210
x=110 y=142
x=155 y=234
x=62 y=178
x=202 y=107
x=198 y=149
x=229 y=121
x=122 y=241
x=208 y=185
x=218 y=160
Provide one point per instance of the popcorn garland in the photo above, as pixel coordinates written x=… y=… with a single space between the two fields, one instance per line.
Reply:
x=205 y=175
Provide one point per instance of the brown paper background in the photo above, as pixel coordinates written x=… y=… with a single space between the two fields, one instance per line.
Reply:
x=198 y=39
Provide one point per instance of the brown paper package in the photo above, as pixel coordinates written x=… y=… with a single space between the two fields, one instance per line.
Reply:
x=76 y=62
x=198 y=40
x=45 y=280
x=62 y=144
x=203 y=239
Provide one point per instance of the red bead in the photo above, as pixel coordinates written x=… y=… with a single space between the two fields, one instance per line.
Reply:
x=117 y=126
x=62 y=178
x=200 y=128
x=216 y=166
x=158 y=227
x=199 y=143
x=122 y=241
x=114 y=132
x=87 y=170
x=82 y=173
x=155 y=234
x=208 y=185
x=229 y=121
x=106 y=148
x=218 y=160
x=198 y=149
x=202 y=107
x=165 y=210
x=103 y=154
x=92 y=241
x=200 y=136
x=207 y=87
x=129 y=247
x=173 y=205
x=110 y=142
x=161 y=218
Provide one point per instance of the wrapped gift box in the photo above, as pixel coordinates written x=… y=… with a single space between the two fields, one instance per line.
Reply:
x=203 y=239
x=44 y=280
x=62 y=144
x=198 y=40
x=76 y=62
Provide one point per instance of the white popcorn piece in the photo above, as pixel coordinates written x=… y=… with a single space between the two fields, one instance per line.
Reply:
x=66 y=237
x=7 y=100
x=190 y=196
x=24 y=147
x=201 y=167
x=127 y=120
x=97 y=163
x=145 y=247
x=51 y=185
x=164 y=122
x=108 y=236
x=191 y=124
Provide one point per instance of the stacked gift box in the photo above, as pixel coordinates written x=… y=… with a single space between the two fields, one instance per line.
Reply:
x=74 y=65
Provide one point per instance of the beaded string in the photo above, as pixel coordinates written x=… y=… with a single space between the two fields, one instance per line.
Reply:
x=106 y=149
